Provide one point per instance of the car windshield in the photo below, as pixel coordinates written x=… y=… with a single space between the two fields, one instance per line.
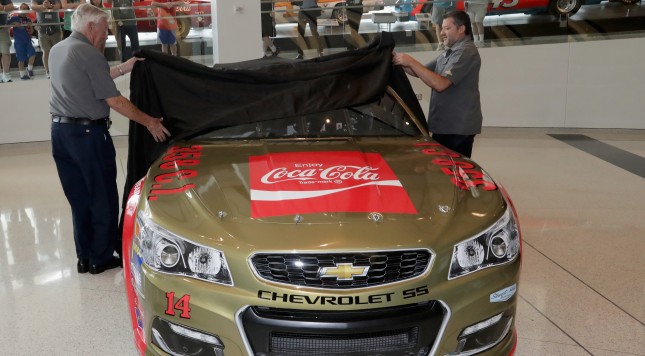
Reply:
x=385 y=117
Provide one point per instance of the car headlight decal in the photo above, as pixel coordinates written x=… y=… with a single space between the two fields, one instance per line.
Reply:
x=470 y=254
x=205 y=260
x=497 y=245
x=178 y=340
x=166 y=252
x=484 y=334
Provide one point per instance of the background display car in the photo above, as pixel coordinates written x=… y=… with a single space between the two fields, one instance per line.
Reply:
x=556 y=7
x=287 y=11
x=196 y=13
x=303 y=209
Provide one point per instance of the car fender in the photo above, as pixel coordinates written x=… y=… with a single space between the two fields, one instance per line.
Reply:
x=129 y=220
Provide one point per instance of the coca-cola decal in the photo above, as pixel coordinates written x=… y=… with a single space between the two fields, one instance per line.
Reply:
x=319 y=182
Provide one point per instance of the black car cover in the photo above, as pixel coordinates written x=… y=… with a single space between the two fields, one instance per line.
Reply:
x=194 y=99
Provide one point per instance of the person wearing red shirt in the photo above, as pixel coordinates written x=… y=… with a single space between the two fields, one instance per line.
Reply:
x=167 y=24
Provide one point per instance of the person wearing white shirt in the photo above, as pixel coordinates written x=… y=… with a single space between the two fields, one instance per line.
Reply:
x=476 y=10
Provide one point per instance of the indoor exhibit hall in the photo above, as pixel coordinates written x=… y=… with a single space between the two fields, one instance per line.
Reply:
x=578 y=194
x=561 y=90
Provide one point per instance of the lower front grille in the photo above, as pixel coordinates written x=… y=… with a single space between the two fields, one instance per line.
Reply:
x=395 y=331
x=397 y=341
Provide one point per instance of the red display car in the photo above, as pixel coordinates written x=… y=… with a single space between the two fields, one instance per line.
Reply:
x=196 y=13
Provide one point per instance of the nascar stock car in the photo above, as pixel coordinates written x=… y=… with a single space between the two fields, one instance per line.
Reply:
x=504 y=7
x=302 y=209
x=287 y=11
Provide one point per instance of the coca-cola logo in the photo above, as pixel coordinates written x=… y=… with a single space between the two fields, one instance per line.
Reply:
x=336 y=174
x=309 y=182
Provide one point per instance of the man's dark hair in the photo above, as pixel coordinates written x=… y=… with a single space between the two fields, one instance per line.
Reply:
x=460 y=18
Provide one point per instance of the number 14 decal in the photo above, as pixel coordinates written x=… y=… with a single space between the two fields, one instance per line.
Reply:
x=182 y=305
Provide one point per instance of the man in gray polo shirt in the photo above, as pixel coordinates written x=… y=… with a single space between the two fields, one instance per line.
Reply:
x=455 y=115
x=83 y=91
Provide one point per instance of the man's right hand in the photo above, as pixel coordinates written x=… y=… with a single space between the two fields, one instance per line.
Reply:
x=158 y=131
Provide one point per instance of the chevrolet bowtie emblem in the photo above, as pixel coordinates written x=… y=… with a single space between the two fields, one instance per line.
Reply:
x=344 y=271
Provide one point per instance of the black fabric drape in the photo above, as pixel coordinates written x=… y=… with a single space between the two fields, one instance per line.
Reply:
x=194 y=99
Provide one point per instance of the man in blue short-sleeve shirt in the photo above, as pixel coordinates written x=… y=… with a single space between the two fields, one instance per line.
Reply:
x=82 y=94
x=455 y=115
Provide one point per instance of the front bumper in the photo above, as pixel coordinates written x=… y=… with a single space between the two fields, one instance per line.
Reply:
x=405 y=330
x=280 y=323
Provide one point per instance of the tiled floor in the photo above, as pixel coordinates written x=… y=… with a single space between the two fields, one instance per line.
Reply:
x=582 y=288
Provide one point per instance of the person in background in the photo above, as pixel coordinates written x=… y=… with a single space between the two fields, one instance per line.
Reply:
x=6 y=6
x=354 y=15
x=68 y=6
x=25 y=52
x=167 y=24
x=126 y=26
x=268 y=27
x=111 y=23
x=308 y=15
x=49 y=32
x=440 y=8
x=82 y=93
x=99 y=4
x=476 y=10
x=455 y=115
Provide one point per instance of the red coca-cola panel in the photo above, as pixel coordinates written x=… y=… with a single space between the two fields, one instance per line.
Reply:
x=319 y=182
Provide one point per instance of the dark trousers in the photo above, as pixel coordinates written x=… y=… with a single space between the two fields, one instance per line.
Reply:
x=86 y=162
x=354 y=39
x=462 y=144
x=303 y=20
x=133 y=35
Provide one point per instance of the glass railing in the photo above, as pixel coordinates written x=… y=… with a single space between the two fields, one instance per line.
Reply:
x=507 y=23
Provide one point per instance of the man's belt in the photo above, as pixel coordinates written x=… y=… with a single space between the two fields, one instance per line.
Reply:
x=81 y=120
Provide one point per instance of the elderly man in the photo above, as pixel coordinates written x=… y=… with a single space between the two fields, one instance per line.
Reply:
x=455 y=115
x=83 y=91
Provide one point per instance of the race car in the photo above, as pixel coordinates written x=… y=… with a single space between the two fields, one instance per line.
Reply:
x=194 y=14
x=287 y=11
x=503 y=7
x=303 y=209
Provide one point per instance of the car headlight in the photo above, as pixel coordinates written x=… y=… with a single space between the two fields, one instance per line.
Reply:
x=166 y=252
x=497 y=245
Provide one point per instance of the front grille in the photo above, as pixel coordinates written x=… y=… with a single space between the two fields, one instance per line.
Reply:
x=343 y=344
x=391 y=331
x=304 y=269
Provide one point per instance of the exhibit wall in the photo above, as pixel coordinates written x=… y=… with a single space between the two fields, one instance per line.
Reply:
x=591 y=84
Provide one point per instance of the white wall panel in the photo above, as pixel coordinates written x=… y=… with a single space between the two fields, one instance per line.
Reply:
x=606 y=84
x=597 y=84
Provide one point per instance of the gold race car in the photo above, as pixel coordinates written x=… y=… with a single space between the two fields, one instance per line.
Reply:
x=303 y=209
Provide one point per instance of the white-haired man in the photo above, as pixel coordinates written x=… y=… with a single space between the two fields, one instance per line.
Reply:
x=83 y=91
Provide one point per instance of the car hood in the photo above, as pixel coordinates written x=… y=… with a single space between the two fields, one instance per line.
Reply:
x=245 y=190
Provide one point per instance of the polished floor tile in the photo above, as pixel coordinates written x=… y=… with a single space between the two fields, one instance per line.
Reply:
x=582 y=289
